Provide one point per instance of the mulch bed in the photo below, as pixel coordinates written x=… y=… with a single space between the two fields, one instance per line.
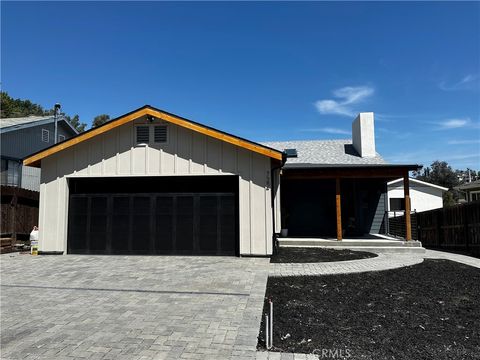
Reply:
x=311 y=255
x=426 y=311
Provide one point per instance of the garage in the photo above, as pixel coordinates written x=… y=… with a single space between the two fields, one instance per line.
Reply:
x=150 y=182
x=154 y=215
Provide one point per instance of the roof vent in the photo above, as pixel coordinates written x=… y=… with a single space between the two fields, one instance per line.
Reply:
x=290 y=153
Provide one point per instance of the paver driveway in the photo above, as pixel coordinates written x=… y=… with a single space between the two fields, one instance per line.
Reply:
x=130 y=307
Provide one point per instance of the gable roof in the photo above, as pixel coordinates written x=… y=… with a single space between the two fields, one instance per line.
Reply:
x=35 y=159
x=467 y=186
x=422 y=183
x=12 y=124
x=323 y=153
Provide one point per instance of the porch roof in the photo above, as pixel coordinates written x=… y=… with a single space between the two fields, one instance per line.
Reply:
x=324 y=171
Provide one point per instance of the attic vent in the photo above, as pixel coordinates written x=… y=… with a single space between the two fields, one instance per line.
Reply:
x=142 y=134
x=160 y=134
x=45 y=135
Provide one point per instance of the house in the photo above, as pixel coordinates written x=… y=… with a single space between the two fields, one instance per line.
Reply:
x=471 y=190
x=424 y=196
x=151 y=182
x=23 y=136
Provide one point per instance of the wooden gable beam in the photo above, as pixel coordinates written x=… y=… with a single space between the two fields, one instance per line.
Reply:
x=35 y=159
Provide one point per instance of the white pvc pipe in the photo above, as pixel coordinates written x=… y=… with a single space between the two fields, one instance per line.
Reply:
x=267 y=337
x=271 y=323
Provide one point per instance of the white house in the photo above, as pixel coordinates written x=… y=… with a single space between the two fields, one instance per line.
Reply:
x=151 y=182
x=424 y=196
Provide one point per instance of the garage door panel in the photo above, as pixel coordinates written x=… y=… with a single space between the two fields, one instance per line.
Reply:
x=120 y=224
x=153 y=223
x=208 y=225
x=184 y=224
x=227 y=223
x=164 y=224
x=141 y=224
x=78 y=222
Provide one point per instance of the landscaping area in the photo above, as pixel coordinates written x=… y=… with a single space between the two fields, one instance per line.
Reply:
x=426 y=311
x=312 y=255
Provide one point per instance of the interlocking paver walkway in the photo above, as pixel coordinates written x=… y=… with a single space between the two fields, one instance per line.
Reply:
x=130 y=307
x=381 y=262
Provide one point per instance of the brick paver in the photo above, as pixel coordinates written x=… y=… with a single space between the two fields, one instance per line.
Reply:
x=381 y=262
x=130 y=307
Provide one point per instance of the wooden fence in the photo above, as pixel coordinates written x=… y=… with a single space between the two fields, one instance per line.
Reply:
x=19 y=212
x=454 y=228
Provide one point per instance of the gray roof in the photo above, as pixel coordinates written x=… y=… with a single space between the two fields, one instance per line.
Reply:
x=314 y=153
x=468 y=186
x=10 y=124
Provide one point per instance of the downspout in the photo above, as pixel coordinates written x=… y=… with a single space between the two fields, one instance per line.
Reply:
x=272 y=177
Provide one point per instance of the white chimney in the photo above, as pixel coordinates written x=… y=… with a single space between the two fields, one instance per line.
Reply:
x=363 y=134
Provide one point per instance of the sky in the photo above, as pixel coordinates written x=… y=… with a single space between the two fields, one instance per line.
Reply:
x=264 y=71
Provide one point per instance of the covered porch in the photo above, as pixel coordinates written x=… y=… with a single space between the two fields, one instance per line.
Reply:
x=337 y=202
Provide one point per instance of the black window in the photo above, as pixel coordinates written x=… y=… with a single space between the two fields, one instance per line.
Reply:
x=397 y=204
x=143 y=134
x=160 y=134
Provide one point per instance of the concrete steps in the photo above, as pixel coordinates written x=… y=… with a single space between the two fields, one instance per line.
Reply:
x=377 y=245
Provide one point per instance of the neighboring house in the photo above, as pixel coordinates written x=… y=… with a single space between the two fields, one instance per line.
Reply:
x=471 y=190
x=23 y=136
x=151 y=182
x=424 y=196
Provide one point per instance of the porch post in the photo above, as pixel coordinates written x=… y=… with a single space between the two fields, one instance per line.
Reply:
x=338 y=201
x=406 y=193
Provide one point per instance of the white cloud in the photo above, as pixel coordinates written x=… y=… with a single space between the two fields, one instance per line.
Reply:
x=467 y=82
x=330 y=130
x=453 y=124
x=346 y=96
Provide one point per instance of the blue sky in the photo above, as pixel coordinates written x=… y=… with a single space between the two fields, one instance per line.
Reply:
x=265 y=71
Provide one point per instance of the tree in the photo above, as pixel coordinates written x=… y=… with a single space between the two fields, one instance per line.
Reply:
x=75 y=121
x=100 y=120
x=440 y=173
x=18 y=108
x=10 y=107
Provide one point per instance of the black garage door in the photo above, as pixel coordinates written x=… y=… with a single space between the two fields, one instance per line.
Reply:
x=201 y=221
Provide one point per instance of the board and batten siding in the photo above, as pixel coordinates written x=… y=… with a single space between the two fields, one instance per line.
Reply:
x=187 y=153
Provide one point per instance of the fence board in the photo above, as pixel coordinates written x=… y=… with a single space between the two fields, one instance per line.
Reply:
x=19 y=211
x=452 y=228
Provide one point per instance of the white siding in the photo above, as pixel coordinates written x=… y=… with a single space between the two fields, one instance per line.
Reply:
x=186 y=153
x=422 y=198
x=30 y=178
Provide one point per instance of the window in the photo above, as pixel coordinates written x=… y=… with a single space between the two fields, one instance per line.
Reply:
x=45 y=135
x=143 y=134
x=475 y=196
x=397 y=204
x=61 y=138
x=10 y=172
x=160 y=134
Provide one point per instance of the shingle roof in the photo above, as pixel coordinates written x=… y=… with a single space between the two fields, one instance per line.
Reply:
x=7 y=122
x=11 y=124
x=467 y=186
x=324 y=152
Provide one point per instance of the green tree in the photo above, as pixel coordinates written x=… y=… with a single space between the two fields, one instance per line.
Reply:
x=75 y=121
x=10 y=107
x=442 y=174
x=18 y=108
x=100 y=120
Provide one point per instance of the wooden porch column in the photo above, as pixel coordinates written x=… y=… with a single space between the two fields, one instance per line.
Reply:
x=338 y=201
x=406 y=194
